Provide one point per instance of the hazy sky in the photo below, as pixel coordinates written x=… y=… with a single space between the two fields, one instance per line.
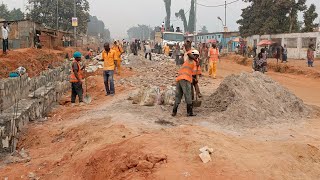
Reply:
x=120 y=15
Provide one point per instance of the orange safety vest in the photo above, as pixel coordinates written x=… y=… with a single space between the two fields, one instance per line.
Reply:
x=186 y=71
x=196 y=69
x=73 y=78
x=214 y=54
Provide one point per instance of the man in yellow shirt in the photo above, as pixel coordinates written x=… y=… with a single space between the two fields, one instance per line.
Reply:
x=166 y=49
x=118 y=51
x=108 y=56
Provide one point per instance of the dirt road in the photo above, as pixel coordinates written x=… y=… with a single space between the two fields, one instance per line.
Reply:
x=114 y=139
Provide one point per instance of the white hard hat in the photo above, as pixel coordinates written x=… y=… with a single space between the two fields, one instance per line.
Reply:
x=195 y=52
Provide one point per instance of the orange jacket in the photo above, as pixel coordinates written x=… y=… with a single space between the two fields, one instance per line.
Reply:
x=73 y=78
x=214 y=54
x=186 y=71
x=118 y=51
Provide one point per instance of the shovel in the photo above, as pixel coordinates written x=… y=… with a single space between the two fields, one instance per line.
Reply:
x=87 y=98
x=196 y=103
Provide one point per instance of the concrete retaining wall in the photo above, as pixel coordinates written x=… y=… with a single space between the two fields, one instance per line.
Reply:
x=35 y=97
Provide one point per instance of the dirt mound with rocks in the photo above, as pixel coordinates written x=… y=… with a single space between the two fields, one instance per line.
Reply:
x=120 y=162
x=251 y=100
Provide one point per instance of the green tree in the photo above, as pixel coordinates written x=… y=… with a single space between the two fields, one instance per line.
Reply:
x=45 y=11
x=265 y=17
x=181 y=14
x=97 y=27
x=300 y=5
x=142 y=32
x=4 y=12
x=16 y=14
x=191 y=24
x=168 y=11
x=309 y=17
x=204 y=29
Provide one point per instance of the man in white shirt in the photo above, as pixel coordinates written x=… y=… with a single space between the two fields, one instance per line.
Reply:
x=147 y=51
x=5 y=35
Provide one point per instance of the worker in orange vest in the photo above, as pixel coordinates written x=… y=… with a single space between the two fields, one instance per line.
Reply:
x=76 y=79
x=184 y=82
x=196 y=73
x=118 y=52
x=213 y=59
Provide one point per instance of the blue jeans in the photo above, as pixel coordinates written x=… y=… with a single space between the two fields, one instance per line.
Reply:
x=310 y=63
x=108 y=81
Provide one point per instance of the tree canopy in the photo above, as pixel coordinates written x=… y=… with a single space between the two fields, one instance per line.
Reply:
x=142 y=32
x=13 y=15
x=309 y=17
x=271 y=17
x=188 y=27
x=204 y=29
x=97 y=27
x=45 y=11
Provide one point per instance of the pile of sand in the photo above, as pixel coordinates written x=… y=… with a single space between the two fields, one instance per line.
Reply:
x=251 y=100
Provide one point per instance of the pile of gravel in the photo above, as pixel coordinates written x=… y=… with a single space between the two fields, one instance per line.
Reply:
x=252 y=100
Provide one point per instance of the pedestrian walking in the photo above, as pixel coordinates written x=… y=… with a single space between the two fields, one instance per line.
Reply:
x=177 y=54
x=204 y=59
x=284 y=54
x=5 y=35
x=108 y=56
x=254 y=51
x=310 y=55
x=147 y=51
x=76 y=78
x=214 y=57
x=184 y=82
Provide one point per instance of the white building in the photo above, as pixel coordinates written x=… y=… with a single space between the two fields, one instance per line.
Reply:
x=297 y=43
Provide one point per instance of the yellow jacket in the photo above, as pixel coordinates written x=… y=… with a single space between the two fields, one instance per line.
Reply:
x=108 y=59
x=118 y=51
x=166 y=49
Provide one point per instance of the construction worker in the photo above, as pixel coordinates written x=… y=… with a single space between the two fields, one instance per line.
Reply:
x=108 y=56
x=118 y=52
x=196 y=73
x=76 y=79
x=184 y=82
x=204 y=57
x=166 y=50
x=213 y=59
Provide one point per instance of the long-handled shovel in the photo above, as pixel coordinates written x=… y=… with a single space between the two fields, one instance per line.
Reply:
x=87 y=98
x=196 y=103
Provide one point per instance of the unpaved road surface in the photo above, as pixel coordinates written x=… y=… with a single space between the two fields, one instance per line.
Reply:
x=113 y=139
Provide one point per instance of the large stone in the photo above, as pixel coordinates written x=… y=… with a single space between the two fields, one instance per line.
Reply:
x=169 y=95
x=144 y=165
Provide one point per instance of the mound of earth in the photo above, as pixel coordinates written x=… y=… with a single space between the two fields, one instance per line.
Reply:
x=251 y=100
x=122 y=161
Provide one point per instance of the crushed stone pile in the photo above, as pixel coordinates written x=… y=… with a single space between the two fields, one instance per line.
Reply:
x=251 y=100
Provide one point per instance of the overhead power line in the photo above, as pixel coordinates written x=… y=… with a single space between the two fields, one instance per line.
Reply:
x=203 y=5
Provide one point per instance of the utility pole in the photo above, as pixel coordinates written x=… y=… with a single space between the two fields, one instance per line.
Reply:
x=225 y=13
x=195 y=22
x=75 y=28
x=57 y=15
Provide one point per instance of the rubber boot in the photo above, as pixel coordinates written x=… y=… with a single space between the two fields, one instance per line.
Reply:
x=190 y=110
x=175 y=110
